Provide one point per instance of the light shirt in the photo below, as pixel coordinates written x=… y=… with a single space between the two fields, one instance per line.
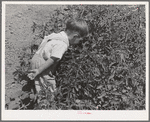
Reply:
x=53 y=45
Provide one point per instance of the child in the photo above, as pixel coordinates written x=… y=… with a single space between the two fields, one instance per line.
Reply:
x=51 y=50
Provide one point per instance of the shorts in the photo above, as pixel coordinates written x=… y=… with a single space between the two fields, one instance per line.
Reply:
x=45 y=80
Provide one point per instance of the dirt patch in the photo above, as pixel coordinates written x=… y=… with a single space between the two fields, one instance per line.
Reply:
x=18 y=33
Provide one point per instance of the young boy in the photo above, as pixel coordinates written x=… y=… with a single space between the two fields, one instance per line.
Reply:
x=51 y=50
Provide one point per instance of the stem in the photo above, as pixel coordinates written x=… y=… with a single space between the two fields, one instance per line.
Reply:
x=82 y=13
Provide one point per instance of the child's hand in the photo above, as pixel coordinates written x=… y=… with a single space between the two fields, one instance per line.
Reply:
x=33 y=73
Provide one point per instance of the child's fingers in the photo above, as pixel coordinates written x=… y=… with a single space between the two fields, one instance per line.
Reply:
x=31 y=76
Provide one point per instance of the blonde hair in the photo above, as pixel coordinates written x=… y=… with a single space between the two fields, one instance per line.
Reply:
x=78 y=25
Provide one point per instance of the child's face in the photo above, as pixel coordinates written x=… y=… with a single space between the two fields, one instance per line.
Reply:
x=76 y=38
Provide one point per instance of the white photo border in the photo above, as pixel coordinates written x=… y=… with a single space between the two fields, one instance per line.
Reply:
x=73 y=114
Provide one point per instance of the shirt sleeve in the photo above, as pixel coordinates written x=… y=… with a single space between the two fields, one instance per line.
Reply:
x=58 y=50
x=46 y=38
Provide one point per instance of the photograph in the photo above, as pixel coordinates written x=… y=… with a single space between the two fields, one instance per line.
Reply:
x=85 y=59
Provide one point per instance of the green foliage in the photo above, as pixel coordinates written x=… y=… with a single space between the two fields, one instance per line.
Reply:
x=22 y=70
x=107 y=70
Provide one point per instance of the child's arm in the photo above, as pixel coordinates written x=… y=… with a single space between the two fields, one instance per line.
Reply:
x=56 y=54
x=47 y=64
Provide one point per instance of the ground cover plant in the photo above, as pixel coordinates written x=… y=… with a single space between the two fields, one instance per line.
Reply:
x=105 y=72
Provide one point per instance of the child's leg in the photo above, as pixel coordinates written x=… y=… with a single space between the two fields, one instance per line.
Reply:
x=36 y=62
x=37 y=85
x=50 y=82
x=45 y=81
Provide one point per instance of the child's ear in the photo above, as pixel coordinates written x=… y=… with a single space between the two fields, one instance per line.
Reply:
x=76 y=35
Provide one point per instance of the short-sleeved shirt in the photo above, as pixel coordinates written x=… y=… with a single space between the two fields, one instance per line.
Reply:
x=54 y=45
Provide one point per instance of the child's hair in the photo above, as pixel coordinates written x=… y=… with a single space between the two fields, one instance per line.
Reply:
x=78 y=25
